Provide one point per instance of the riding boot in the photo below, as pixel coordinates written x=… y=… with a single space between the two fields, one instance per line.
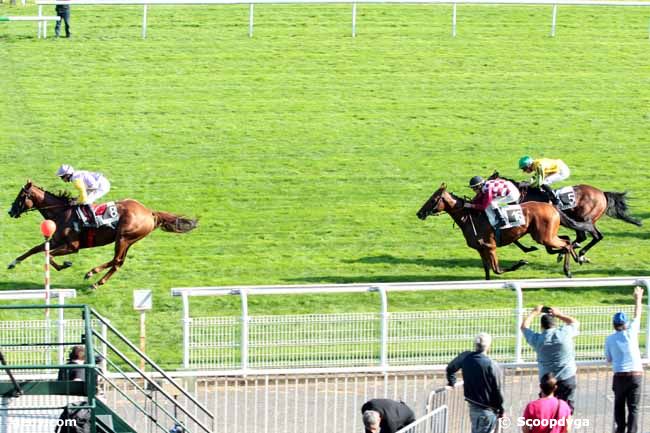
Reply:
x=501 y=221
x=92 y=222
x=551 y=194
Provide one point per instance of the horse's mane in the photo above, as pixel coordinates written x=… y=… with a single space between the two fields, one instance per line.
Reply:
x=64 y=196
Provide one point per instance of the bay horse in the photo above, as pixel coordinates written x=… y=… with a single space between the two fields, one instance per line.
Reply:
x=135 y=222
x=542 y=223
x=591 y=204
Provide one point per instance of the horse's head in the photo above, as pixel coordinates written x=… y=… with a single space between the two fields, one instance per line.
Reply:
x=435 y=204
x=23 y=201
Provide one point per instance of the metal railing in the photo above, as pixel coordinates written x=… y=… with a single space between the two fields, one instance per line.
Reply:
x=435 y=421
x=382 y=339
x=252 y=3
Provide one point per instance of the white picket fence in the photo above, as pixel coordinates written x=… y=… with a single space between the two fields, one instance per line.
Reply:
x=252 y=3
x=379 y=339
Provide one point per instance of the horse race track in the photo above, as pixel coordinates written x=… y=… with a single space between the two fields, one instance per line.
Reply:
x=305 y=153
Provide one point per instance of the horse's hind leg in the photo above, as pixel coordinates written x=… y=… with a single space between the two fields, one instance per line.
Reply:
x=524 y=248
x=562 y=245
x=597 y=237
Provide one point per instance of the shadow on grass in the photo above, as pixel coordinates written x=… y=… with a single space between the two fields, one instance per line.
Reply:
x=31 y=285
x=632 y=234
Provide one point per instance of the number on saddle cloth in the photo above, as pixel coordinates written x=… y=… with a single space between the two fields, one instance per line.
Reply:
x=567 y=197
x=510 y=216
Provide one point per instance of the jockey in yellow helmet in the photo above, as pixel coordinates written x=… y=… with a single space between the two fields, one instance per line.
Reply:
x=545 y=172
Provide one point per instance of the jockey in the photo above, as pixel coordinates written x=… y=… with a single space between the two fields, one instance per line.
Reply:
x=493 y=193
x=546 y=171
x=91 y=186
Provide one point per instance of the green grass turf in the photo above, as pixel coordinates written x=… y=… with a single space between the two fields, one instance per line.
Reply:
x=305 y=153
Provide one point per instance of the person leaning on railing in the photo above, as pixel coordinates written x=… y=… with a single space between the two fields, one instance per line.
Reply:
x=622 y=351
x=385 y=415
x=481 y=384
x=555 y=349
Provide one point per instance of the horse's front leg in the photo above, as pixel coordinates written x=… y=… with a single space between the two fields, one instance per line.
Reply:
x=35 y=250
x=524 y=248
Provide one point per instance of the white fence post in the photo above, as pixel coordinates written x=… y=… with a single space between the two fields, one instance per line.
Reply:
x=554 y=21
x=144 y=22
x=61 y=327
x=520 y=315
x=250 y=20
x=40 y=23
x=354 y=20
x=383 y=350
x=186 y=330
x=244 y=328
x=453 y=22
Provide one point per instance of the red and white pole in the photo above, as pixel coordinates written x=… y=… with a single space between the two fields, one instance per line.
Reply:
x=48 y=227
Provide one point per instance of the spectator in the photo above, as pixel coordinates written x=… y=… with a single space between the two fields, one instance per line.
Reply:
x=622 y=350
x=548 y=414
x=481 y=384
x=62 y=11
x=77 y=356
x=387 y=416
x=555 y=349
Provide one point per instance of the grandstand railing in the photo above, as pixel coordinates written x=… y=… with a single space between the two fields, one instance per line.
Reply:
x=381 y=339
x=296 y=401
x=42 y=29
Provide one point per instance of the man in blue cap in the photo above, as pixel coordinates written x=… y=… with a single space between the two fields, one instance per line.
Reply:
x=622 y=351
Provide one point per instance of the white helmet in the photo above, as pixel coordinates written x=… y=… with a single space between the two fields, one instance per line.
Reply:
x=65 y=170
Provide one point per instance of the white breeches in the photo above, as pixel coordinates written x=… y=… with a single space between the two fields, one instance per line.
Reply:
x=503 y=201
x=556 y=177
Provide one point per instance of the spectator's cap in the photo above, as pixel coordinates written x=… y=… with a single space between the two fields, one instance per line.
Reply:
x=619 y=318
x=483 y=339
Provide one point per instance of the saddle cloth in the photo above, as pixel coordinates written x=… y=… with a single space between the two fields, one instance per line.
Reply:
x=567 y=197
x=512 y=214
x=105 y=215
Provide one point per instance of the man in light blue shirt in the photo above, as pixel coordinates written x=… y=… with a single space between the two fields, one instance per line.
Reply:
x=622 y=351
x=555 y=349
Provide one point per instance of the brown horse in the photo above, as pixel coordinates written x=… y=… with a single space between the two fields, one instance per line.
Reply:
x=591 y=204
x=136 y=222
x=542 y=223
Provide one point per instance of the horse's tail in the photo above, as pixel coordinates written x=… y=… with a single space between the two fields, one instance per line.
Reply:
x=174 y=223
x=617 y=208
x=570 y=223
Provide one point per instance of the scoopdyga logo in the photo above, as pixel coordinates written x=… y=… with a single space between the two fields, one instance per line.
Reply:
x=506 y=423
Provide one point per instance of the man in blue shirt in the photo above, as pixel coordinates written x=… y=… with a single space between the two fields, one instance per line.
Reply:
x=555 y=349
x=622 y=350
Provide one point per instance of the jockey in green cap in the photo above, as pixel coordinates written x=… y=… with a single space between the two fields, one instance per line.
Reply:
x=545 y=172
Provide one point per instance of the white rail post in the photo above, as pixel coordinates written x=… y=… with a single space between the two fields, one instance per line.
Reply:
x=250 y=20
x=39 y=26
x=646 y=283
x=520 y=315
x=244 y=329
x=186 y=330
x=144 y=22
x=61 y=327
x=383 y=327
x=354 y=20
x=453 y=22
x=554 y=21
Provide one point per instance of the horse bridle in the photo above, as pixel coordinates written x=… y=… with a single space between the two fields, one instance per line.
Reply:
x=28 y=196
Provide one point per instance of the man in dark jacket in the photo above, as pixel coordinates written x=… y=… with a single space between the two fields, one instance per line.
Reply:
x=481 y=384
x=387 y=415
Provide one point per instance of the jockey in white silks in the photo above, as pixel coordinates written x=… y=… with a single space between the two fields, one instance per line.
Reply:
x=91 y=186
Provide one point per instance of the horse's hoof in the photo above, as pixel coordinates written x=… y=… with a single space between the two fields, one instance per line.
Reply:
x=67 y=264
x=576 y=245
x=523 y=262
x=94 y=287
x=560 y=257
x=11 y=266
x=583 y=259
x=88 y=275
x=568 y=274
x=532 y=248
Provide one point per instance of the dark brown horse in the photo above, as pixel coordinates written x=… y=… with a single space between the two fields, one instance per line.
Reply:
x=136 y=222
x=591 y=205
x=542 y=223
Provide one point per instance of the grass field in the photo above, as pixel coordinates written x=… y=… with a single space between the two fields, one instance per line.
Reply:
x=305 y=153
